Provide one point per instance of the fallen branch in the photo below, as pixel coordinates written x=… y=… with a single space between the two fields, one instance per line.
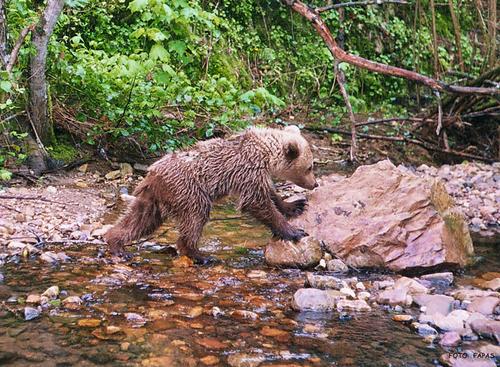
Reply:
x=402 y=140
x=313 y=16
x=15 y=50
x=39 y=198
x=359 y=3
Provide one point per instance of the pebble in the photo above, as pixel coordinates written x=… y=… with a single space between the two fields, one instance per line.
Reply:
x=402 y=318
x=311 y=299
x=90 y=323
x=135 y=318
x=51 y=292
x=31 y=313
x=245 y=360
x=424 y=329
x=353 y=305
x=348 y=292
x=33 y=298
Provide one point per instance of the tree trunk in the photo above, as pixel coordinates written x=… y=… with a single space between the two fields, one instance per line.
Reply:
x=492 y=33
x=38 y=108
x=3 y=34
x=457 y=32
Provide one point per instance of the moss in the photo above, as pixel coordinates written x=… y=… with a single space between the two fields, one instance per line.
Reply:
x=63 y=151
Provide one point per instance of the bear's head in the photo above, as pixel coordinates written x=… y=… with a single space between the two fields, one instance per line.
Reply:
x=297 y=165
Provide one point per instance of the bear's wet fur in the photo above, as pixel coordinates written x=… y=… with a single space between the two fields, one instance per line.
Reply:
x=183 y=185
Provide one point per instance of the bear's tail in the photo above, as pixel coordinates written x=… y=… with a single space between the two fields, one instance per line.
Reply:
x=142 y=219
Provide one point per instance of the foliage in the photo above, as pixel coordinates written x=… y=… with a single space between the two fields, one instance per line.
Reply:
x=161 y=73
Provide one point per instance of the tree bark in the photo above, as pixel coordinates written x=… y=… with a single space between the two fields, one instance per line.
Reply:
x=38 y=108
x=434 y=40
x=456 y=30
x=492 y=33
x=3 y=34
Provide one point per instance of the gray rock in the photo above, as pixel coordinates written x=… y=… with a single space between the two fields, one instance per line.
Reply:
x=454 y=321
x=310 y=299
x=434 y=303
x=325 y=281
x=424 y=329
x=337 y=266
x=49 y=257
x=439 y=278
x=352 y=305
x=31 y=313
x=484 y=305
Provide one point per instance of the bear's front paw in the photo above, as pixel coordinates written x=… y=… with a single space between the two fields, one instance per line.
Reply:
x=297 y=207
x=293 y=234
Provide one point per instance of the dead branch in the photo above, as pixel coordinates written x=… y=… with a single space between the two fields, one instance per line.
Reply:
x=359 y=3
x=313 y=16
x=423 y=144
x=37 y=198
x=457 y=32
x=17 y=46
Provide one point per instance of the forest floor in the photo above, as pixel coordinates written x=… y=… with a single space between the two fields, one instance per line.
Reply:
x=158 y=310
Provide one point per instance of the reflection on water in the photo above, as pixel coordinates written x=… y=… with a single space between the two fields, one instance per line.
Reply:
x=190 y=312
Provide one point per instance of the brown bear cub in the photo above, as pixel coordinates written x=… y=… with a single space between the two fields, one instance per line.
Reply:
x=183 y=186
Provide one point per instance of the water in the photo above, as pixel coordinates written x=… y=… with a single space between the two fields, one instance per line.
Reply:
x=188 y=311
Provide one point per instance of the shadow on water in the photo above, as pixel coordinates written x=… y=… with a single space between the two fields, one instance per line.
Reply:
x=152 y=312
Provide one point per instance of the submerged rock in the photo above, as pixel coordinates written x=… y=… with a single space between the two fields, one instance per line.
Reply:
x=305 y=253
x=383 y=217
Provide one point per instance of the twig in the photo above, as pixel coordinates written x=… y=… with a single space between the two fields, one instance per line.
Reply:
x=17 y=47
x=318 y=23
x=12 y=117
x=440 y=113
x=402 y=140
x=16 y=197
x=396 y=119
x=359 y=3
x=10 y=208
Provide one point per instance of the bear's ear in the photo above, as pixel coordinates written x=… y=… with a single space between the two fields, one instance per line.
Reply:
x=291 y=151
x=292 y=129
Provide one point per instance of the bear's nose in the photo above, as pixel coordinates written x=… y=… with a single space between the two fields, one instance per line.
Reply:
x=316 y=184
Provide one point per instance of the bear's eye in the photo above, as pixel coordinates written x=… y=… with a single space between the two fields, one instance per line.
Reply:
x=310 y=168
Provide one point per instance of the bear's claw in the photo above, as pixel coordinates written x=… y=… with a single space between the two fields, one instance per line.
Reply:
x=293 y=234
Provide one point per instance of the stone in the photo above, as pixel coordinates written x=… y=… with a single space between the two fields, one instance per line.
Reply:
x=382 y=217
x=31 y=313
x=211 y=343
x=126 y=170
x=51 y=189
x=244 y=315
x=33 y=298
x=51 y=292
x=135 y=318
x=450 y=339
x=325 y=281
x=90 y=323
x=437 y=279
x=434 y=303
x=83 y=168
x=310 y=299
x=72 y=299
x=303 y=254
x=245 y=360
x=352 y=305
x=464 y=294
x=49 y=257
x=487 y=328
x=490 y=349
x=348 y=292
x=402 y=318
x=493 y=284
x=454 y=321
x=364 y=295
x=337 y=266
x=113 y=175
x=484 y=305
x=424 y=329
x=210 y=360
x=393 y=296
x=99 y=232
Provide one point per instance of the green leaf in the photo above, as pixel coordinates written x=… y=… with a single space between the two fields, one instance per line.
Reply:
x=158 y=52
x=156 y=35
x=6 y=86
x=5 y=175
x=177 y=46
x=137 y=5
x=138 y=32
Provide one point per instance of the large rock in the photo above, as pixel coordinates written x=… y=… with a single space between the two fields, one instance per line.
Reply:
x=310 y=299
x=383 y=216
x=305 y=253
